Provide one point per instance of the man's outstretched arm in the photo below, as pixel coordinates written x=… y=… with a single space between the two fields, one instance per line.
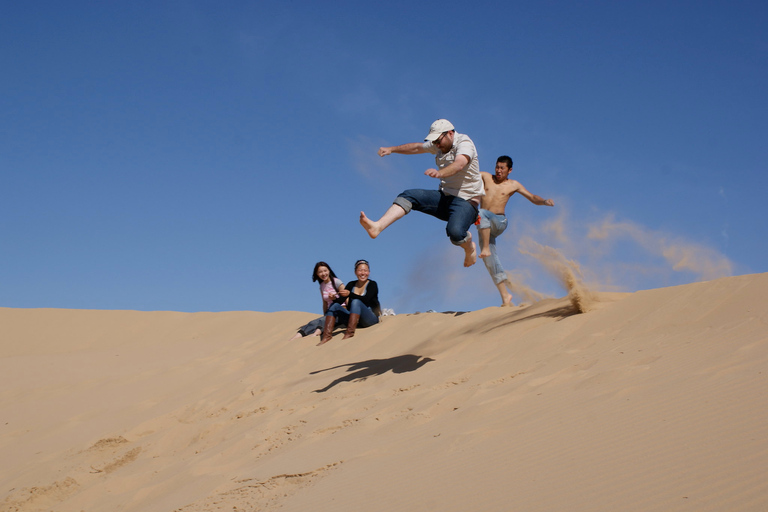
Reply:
x=538 y=200
x=412 y=148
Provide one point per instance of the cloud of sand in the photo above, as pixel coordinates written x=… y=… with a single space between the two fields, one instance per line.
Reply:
x=517 y=285
x=609 y=255
x=567 y=272
x=579 y=257
x=702 y=261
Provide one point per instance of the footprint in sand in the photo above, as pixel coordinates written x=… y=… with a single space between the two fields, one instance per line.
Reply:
x=451 y=383
x=126 y=458
x=336 y=428
x=108 y=443
x=106 y=448
x=260 y=410
x=253 y=494
x=278 y=439
x=400 y=391
x=501 y=380
x=41 y=498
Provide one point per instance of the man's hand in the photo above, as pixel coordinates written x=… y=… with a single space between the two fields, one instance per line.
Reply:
x=549 y=202
x=385 y=151
x=433 y=173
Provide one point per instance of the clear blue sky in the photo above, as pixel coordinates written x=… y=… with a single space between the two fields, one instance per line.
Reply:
x=202 y=156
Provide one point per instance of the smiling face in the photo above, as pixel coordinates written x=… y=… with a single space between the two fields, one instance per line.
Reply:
x=323 y=273
x=362 y=272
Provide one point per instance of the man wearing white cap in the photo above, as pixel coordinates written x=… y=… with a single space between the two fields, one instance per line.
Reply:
x=458 y=197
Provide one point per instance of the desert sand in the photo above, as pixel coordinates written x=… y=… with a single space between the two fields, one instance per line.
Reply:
x=654 y=400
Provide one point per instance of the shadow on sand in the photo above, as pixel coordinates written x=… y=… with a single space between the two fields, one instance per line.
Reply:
x=559 y=313
x=365 y=369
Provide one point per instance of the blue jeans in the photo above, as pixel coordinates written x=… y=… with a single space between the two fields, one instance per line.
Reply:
x=497 y=224
x=367 y=317
x=309 y=328
x=459 y=213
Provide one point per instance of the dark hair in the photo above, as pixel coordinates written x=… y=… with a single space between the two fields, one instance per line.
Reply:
x=323 y=264
x=505 y=159
x=362 y=262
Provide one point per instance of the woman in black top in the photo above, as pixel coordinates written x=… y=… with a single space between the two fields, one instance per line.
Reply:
x=362 y=304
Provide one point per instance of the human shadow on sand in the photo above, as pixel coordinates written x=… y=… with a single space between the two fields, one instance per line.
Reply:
x=365 y=369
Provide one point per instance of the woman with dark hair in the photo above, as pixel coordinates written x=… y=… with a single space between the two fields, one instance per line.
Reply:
x=363 y=306
x=330 y=285
x=330 y=289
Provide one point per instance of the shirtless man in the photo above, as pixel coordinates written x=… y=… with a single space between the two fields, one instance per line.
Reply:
x=492 y=221
x=459 y=194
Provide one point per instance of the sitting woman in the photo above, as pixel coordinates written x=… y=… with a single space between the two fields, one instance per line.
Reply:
x=330 y=288
x=362 y=304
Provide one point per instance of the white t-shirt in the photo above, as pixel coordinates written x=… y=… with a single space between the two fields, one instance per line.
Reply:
x=466 y=183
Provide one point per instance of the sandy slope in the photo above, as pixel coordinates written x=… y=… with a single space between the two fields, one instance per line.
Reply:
x=656 y=400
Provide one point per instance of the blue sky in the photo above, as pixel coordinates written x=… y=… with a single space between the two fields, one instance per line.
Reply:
x=202 y=156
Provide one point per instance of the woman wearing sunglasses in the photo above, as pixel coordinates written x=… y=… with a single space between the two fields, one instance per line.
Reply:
x=363 y=306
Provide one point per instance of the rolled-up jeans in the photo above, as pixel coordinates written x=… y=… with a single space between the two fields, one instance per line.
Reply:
x=356 y=306
x=459 y=213
x=497 y=224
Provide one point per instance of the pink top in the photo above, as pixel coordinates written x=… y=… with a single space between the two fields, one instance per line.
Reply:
x=328 y=292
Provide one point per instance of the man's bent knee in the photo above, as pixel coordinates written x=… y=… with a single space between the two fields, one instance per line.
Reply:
x=458 y=232
x=403 y=203
x=458 y=238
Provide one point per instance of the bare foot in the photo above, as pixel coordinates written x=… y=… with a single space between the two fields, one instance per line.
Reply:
x=470 y=256
x=295 y=336
x=506 y=301
x=485 y=252
x=371 y=227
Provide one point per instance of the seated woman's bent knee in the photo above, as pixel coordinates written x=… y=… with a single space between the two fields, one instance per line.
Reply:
x=356 y=306
x=334 y=308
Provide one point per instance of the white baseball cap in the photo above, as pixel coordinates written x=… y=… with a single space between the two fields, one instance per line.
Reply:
x=438 y=127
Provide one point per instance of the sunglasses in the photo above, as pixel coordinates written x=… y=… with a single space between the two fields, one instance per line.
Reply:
x=361 y=262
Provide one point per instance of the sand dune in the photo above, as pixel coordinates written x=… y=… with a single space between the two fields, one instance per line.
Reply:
x=655 y=400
